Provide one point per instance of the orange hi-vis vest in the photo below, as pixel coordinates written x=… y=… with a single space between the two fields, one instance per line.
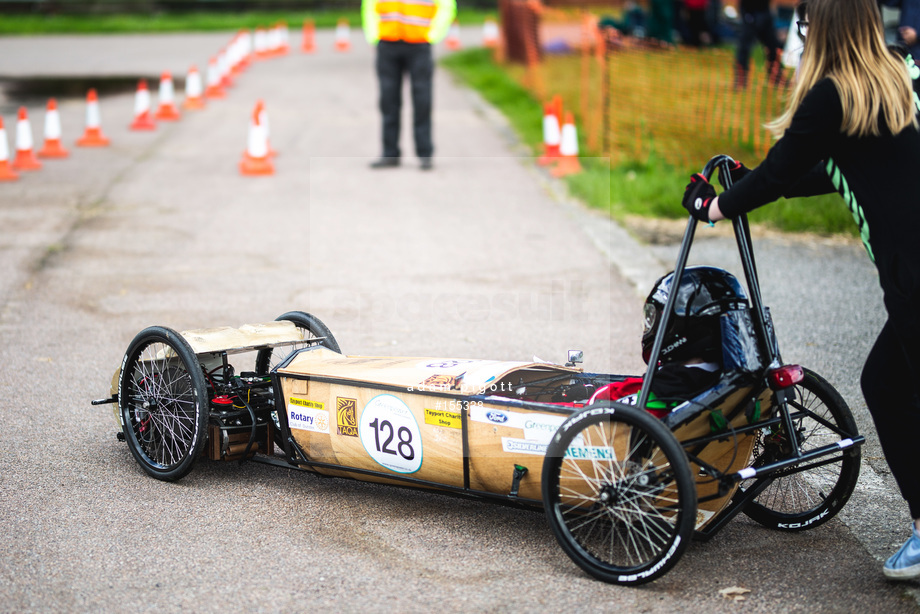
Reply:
x=405 y=20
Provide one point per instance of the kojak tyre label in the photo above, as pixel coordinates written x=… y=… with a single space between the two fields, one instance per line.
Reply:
x=390 y=434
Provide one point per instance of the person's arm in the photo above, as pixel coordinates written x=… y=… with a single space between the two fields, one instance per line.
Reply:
x=370 y=20
x=443 y=17
x=791 y=166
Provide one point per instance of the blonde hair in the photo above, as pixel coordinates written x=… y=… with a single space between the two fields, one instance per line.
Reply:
x=845 y=43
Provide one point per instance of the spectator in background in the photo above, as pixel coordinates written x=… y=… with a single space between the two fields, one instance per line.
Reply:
x=661 y=21
x=757 y=24
x=909 y=24
x=697 y=26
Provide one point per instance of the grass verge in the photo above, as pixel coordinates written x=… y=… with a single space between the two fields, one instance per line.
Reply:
x=650 y=188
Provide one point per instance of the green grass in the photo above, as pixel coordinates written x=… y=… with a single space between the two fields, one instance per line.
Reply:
x=650 y=188
x=181 y=22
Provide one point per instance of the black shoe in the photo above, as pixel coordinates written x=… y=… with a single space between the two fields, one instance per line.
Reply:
x=426 y=164
x=385 y=163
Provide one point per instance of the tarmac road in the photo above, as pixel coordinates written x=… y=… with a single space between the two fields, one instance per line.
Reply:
x=480 y=258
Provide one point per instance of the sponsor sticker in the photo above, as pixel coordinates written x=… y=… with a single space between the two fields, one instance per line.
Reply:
x=441 y=417
x=443 y=364
x=346 y=417
x=390 y=434
x=439 y=383
x=536 y=427
x=306 y=417
x=523 y=446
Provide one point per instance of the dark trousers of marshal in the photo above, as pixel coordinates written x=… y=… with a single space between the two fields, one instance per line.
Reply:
x=394 y=60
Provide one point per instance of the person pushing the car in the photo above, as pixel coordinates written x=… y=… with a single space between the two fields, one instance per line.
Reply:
x=851 y=126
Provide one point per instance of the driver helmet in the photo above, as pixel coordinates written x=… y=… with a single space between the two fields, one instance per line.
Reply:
x=694 y=330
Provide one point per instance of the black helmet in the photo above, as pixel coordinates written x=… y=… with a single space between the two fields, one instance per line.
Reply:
x=694 y=330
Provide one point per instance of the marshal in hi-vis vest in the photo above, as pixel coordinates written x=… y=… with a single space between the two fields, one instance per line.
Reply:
x=411 y=21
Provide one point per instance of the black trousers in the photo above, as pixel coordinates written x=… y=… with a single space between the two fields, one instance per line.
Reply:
x=394 y=59
x=891 y=382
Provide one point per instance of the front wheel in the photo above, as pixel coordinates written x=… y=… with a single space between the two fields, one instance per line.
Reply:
x=798 y=499
x=618 y=493
x=162 y=399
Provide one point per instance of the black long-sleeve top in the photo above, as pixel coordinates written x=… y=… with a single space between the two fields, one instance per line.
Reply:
x=878 y=177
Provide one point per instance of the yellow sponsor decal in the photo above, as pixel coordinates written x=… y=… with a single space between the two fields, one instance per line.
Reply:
x=346 y=411
x=306 y=403
x=440 y=417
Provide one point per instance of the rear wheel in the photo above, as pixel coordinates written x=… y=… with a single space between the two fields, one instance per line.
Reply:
x=798 y=498
x=618 y=494
x=162 y=398
x=314 y=333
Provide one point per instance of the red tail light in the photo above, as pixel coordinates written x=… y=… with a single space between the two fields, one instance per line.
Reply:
x=786 y=376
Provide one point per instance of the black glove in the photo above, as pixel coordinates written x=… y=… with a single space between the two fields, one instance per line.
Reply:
x=698 y=196
x=736 y=173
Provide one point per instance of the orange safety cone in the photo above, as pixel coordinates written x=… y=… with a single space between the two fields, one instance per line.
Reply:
x=551 y=136
x=6 y=171
x=342 y=36
x=308 y=44
x=194 y=94
x=214 y=88
x=92 y=135
x=52 y=147
x=166 y=96
x=142 y=119
x=568 y=150
x=263 y=119
x=223 y=68
x=256 y=158
x=284 y=38
x=453 y=37
x=490 y=33
x=25 y=159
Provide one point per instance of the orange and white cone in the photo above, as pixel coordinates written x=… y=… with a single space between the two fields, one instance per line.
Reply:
x=142 y=118
x=342 y=36
x=52 y=147
x=6 y=171
x=568 y=150
x=552 y=136
x=308 y=43
x=490 y=33
x=166 y=96
x=453 y=37
x=92 y=135
x=223 y=67
x=194 y=93
x=284 y=38
x=256 y=157
x=214 y=88
x=25 y=159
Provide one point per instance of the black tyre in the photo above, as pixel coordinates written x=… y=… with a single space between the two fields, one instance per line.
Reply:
x=803 y=499
x=162 y=397
x=315 y=333
x=618 y=494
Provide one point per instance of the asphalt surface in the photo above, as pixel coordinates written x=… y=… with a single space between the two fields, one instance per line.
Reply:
x=483 y=257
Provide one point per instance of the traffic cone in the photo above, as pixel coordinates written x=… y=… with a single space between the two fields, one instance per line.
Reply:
x=256 y=158
x=194 y=98
x=308 y=45
x=453 y=37
x=490 y=33
x=52 y=147
x=284 y=38
x=551 y=136
x=166 y=96
x=214 y=89
x=223 y=68
x=142 y=119
x=6 y=171
x=568 y=150
x=263 y=119
x=92 y=135
x=342 y=36
x=25 y=159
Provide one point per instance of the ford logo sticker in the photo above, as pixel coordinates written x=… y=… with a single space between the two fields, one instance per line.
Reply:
x=497 y=417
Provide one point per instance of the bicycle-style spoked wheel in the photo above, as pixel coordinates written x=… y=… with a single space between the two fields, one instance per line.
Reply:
x=162 y=398
x=618 y=493
x=802 y=498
